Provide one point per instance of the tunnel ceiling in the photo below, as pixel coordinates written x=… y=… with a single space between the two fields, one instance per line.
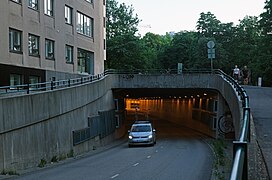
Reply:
x=164 y=92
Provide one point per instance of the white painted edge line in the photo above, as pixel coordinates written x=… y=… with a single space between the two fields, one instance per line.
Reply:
x=136 y=164
x=116 y=175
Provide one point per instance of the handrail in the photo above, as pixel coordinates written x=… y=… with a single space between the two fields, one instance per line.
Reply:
x=240 y=162
x=49 y=85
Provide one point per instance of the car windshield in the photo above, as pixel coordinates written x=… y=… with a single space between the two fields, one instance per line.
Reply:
x=141 y=128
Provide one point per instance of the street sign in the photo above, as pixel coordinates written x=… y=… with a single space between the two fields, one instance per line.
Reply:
x=211 y=56
x=211 y=53
x=210 y=44
x=179 y=68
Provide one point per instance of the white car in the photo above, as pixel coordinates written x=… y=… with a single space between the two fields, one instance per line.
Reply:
x=141 y=133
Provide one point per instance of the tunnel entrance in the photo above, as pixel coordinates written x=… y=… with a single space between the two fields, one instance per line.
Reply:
x=195 y=109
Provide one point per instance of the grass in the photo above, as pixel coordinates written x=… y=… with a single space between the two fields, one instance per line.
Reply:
x=9 y=172
x=42 y=163
x=54 y=159
x=70 y=154
x=219 y=148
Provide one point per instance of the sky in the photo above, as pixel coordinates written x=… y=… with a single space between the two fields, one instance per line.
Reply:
x=161 y=16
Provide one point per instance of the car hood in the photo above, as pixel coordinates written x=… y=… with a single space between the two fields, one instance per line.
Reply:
x=140 y=134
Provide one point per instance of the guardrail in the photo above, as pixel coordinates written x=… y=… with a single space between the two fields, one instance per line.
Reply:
x=51 y=85
x=240 y=163
x=240 y=147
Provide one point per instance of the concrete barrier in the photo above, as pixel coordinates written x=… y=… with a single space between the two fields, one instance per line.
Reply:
x=39 y=126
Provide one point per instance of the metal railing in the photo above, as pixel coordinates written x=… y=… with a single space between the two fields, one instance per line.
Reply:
x=239 y=167
x=240 y=147
x=46 y=86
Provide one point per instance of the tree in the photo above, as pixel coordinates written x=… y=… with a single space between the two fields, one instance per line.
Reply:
x=120 y=19
x=126 y=52
x=264 y=63
x=123 y=47
x=154 y=46
x=208 y=24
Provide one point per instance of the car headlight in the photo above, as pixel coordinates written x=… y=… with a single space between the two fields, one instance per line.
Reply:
x=130 y=137
x=150 y=136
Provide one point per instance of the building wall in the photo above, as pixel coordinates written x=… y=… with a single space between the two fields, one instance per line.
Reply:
x=21 y=17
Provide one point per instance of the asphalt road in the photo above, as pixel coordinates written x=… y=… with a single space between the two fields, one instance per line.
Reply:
x=260 y=101
x=179 y=154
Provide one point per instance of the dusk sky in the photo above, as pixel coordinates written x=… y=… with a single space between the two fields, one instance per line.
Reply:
x=176 y=15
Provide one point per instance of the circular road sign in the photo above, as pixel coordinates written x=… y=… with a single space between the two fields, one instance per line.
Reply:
x=210 y=44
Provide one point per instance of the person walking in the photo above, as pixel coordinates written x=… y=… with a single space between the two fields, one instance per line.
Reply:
x=236 y=73
x=245 y=75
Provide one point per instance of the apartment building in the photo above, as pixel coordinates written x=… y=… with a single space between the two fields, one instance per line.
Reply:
x=43 y=40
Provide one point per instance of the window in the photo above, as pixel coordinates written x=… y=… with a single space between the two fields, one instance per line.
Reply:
x=18 y=1
x=85 y=61
x=48 y=7
x=15 y=40
x=16 y=79
x=68 y=14
x=84 y=24
x=33 y=4
x=34 y=80
x=69 y=54
x=49 y=49
x=33 y=45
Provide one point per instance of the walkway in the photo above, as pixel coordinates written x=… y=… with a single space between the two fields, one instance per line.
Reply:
x=260 y=100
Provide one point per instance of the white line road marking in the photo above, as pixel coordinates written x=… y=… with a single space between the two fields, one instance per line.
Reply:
x=116 y=175
x=136 y=164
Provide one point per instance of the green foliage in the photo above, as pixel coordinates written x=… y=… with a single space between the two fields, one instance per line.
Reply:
x=248 y=43
x=70 y=154
x=42 y=163
x=8 y=172
x=54 y=159
x=208 y=25
x=120 y=19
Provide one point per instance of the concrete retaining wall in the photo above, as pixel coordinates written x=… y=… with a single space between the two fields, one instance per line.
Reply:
x=39 y=126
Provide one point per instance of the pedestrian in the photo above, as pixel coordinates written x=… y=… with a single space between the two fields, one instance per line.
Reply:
x=245 y=75
x=236 y=73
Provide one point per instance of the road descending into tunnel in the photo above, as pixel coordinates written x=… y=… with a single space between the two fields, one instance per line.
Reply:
x=180 y=153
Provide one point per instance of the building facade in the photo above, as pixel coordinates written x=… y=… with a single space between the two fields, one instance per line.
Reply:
x=44 y=40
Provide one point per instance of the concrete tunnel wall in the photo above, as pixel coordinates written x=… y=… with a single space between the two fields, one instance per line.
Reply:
x=190 y=80
x=40 y=125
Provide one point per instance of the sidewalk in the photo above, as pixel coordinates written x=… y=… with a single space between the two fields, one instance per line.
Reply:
x=256 y=163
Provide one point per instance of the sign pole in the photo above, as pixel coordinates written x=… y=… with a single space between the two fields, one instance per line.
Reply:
x=211 y=52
